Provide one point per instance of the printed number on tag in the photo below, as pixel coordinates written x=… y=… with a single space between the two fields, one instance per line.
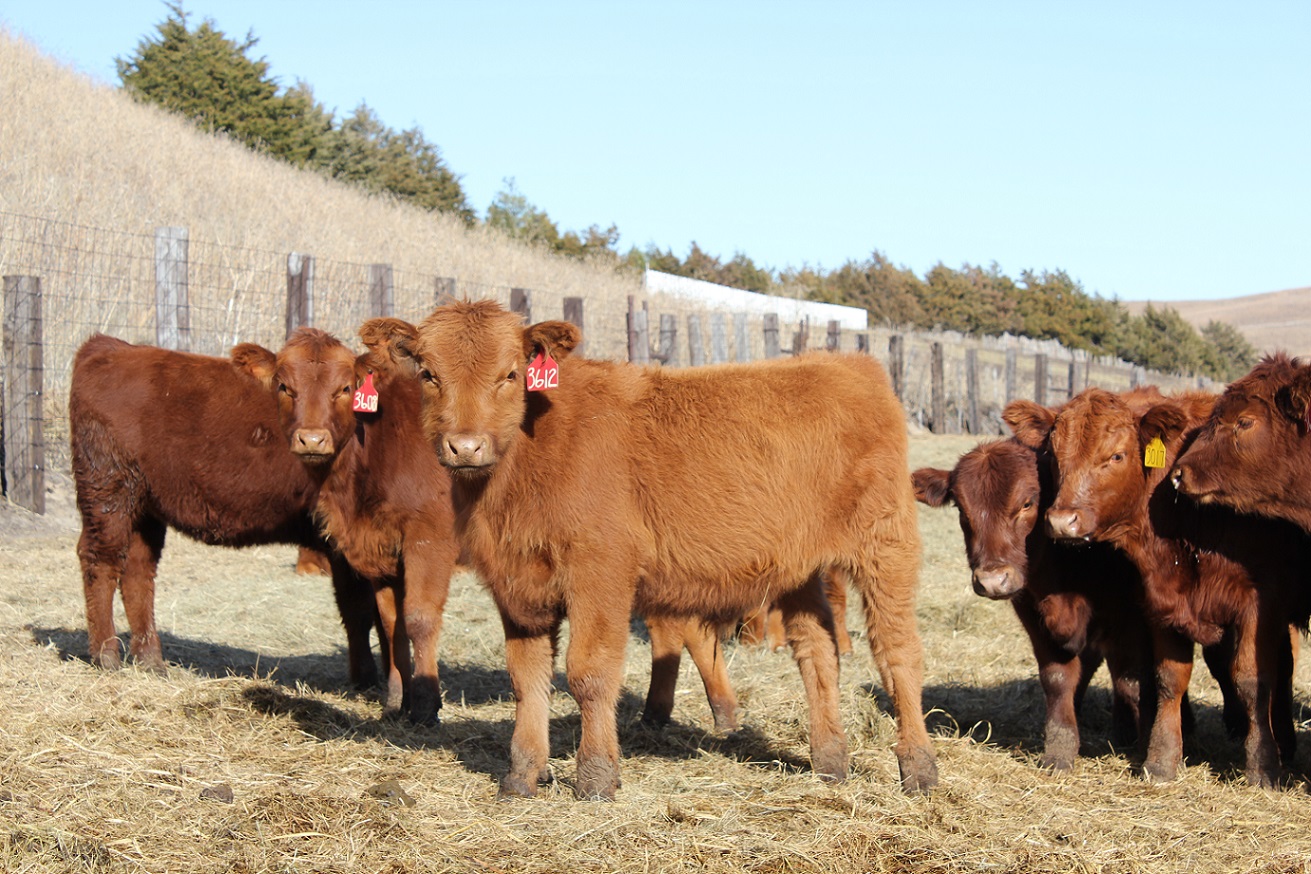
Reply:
x=542 y=374
x=1154 y=455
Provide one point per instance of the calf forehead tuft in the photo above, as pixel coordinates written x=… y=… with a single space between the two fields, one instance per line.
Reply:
x=469 y=334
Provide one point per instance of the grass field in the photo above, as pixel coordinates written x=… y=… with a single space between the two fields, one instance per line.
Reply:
x=253 y=755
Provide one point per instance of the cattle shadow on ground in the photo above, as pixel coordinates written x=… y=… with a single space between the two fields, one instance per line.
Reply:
x=1011 y=716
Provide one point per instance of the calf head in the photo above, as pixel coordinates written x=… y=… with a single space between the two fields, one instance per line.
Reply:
x=1259 y=426
x=313 y=378
x=471 y=357
x=997 y=490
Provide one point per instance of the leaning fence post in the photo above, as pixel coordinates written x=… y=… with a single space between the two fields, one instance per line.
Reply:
x=382 y=291
x=718 y=339
x=300 y=291
x=1012 y=369
x=24 y=447
x=833 y=341
x=172 y=311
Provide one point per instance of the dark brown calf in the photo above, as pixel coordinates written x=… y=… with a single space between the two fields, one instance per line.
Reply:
x=230 y=452
x=681 y=493
x=1078 y=604
x=1206 y=571
x=1253 y=453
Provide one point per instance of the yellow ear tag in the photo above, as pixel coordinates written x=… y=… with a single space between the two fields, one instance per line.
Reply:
x=1154 y=456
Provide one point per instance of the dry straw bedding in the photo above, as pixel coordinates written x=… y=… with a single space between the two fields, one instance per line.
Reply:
x=253 y=756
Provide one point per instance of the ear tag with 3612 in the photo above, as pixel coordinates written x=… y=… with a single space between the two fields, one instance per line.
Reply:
x=542 y=374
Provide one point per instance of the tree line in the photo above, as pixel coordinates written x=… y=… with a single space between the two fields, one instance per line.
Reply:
x=204 y=75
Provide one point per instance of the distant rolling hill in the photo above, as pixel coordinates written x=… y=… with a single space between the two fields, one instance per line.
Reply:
x=1275 y=320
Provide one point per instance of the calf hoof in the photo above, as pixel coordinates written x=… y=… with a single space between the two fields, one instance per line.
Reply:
x=919 y=771
x=1056 y=762
x=108 y=657
x=725 y=723
x=830 y=762
x=1262 y=778
x=597 y=780
x=515 y=786
x=655 y=718
x=1158 y=771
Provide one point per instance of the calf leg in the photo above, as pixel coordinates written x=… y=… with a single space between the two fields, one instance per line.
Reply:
x=835 y=589
x=809 y=623
x=702 y=641
x=144 y=549
x=666 y=653
x=102 y=558
x=1173 y=659
x=428 y=571
x=1060 y=674
x=357 y=604
x=598 y=634
x=395 y=642
x=530 y=660
x=887 y=577
x=1255 y=676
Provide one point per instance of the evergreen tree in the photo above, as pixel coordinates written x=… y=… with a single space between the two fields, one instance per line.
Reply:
x=1229 y=354
x=211 y=79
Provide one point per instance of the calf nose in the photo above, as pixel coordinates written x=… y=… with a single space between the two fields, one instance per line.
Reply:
x=311 y=441
x=1065 y=524
x=996 y=583
x=466 y=450
x=1177 y=478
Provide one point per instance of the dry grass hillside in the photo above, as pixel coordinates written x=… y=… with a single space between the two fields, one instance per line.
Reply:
x=1271 y=321
x=83 y=153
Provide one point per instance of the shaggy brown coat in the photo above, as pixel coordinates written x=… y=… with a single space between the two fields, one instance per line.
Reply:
x=1253 y=453
x=228 y=451
x=684 y=493
x=1205 y=570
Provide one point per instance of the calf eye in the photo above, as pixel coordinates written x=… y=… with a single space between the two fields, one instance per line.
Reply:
x=512 y=376
x=1245 y=423
x=285 y=389
x=1117 y=457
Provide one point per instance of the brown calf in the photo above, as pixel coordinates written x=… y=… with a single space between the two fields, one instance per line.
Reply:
x=230 y=452
x=688 y=493
x=1253 y=453
x=1205 y=570
x=1078 y=604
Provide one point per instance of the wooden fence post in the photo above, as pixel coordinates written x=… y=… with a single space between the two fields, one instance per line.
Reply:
x=300 y=291
x=833 y=341
x=24 y=447
x=801 y=339
x=740 y=337
x=1072 y=384
x=172 y=311
x=1040 y=379
x=938 y=421
x=771 y=335
x=718 y=339
x=573 y=313
x=897 y=364
x=972 y=391
x=382 y=291
x=696 y=355
x=521 y=303
x=862 y=343
x=443 y=290
x=668 y=353
x=1012 y=373
x=639 y=350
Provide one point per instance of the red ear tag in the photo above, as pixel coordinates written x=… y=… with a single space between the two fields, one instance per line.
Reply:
x=543 y=374
x=366 y=397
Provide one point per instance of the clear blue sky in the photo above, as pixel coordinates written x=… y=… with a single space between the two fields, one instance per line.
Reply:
x=1153 y=150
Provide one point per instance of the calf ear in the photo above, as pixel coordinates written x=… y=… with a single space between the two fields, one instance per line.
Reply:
x=255 y=360
x=392 y=342
x=1030 y=422
x=1294 y=401
x=932 y=486
x=555 y=339
x=1168 y=421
